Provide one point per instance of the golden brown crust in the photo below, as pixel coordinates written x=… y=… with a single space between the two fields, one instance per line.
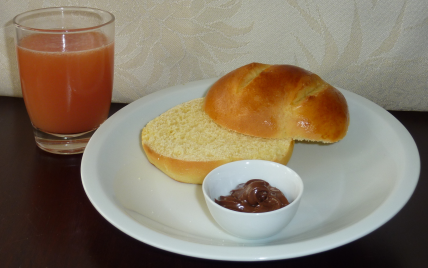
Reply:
x=278 y=101
x=180 y=170
x=195 y=171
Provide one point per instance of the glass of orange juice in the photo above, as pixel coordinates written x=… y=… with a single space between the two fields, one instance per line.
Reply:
x=66 y=67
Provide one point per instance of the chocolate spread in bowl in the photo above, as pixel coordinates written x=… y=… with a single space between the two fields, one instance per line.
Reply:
x=254 y=196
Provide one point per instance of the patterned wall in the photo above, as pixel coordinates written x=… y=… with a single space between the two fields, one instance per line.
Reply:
x=375 y=48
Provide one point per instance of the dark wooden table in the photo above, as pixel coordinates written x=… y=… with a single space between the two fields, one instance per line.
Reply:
x=46 y=219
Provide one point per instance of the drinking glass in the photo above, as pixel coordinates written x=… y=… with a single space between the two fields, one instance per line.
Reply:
x=66 y=66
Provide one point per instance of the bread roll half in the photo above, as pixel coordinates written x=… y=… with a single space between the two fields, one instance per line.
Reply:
x=186 y=144
x=278 y=101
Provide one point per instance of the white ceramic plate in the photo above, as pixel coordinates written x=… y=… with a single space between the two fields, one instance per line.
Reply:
x=351 y=187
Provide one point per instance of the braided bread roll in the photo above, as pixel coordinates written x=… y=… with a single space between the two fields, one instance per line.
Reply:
x=186 y=144
x=278 y=101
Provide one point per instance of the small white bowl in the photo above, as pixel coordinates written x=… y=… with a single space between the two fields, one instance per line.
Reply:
x=225 y=178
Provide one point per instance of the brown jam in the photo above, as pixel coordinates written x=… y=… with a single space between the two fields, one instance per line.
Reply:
x=254 y=196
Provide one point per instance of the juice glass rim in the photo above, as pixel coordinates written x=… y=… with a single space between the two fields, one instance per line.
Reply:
x=44 y=30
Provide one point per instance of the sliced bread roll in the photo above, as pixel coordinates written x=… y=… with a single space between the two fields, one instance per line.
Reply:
x=278 y=101
x=186 y=144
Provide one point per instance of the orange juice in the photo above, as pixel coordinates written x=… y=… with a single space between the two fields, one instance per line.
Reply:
x=66 y=80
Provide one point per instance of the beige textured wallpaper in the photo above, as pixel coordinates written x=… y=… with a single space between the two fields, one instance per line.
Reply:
x=375 y=48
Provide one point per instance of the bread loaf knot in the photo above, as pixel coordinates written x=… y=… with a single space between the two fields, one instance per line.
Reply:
x=278 y=101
